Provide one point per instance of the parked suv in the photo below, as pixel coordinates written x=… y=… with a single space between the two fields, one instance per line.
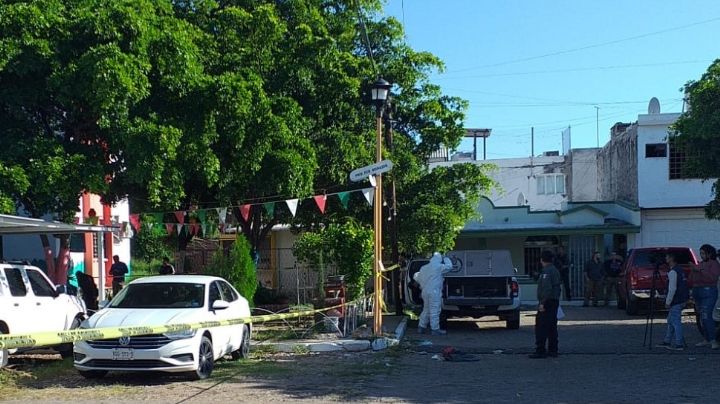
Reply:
x=30 y=303
x=635 y=282
x=481 y=283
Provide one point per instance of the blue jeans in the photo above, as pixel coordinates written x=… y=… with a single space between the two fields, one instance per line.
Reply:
x=674 y=326
x=705 y=298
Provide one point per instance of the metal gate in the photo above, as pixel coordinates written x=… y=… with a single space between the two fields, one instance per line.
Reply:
x=580 y=250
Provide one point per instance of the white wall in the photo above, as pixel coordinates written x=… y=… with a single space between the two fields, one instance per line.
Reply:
x=583 y=181
x=677 y=227
x=519 y=175
x=655 y=189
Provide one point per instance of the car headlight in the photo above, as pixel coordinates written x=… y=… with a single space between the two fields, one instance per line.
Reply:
x=180 y=334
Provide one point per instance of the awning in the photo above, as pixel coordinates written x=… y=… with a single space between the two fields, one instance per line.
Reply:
x=10 y=224
x=541 y=229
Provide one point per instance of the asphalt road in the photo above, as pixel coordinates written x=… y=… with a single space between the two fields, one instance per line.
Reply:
x=602 y=360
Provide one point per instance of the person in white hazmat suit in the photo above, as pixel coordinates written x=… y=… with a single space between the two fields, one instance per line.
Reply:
x=430 y=279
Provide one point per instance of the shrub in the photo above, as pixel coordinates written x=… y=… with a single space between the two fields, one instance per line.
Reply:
x=237 y=268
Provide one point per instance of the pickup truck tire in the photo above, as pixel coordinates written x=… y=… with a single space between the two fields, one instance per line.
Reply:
x=513 y=321
x=631 y=306
x=66 y=350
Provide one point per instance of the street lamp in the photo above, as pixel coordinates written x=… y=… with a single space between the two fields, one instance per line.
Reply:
x=379 y=93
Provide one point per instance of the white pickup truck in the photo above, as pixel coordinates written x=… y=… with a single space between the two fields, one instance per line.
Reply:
x=481 y=283
x=30 y=303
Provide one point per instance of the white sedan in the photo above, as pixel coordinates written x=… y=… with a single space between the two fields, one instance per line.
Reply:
x=160 y=300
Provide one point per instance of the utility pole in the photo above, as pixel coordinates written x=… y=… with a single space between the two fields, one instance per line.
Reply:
x=532 y=142
x=597 y=125
x=393 y=218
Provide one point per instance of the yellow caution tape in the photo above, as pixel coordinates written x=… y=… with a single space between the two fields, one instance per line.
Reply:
x=10 y=341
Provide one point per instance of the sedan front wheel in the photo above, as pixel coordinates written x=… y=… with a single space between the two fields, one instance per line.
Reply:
x=206 y=359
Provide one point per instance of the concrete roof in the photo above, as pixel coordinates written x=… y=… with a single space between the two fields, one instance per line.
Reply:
x=24 y=225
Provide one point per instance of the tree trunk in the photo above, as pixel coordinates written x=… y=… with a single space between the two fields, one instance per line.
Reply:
x=63 y=260
x=49 y=259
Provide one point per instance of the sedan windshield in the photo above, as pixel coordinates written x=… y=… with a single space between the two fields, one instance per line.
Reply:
x=160 y=296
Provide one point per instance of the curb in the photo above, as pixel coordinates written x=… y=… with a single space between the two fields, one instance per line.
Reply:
x=342 y=345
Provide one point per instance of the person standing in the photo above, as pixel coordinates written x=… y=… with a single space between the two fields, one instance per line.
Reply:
x=677 y=296
x=548 y=296
x=118 y=270
x=705 y=293
x=563 y=266
x=430 y=279
x=613 y=267
x=166 y=268
x=594 y=273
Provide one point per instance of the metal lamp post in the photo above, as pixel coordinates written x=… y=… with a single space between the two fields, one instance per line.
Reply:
x=380 y=90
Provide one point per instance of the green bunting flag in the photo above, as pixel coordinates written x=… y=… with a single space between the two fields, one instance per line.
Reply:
x=344 y=198
x=270 y=208
x=157 y=218
x=202 y=215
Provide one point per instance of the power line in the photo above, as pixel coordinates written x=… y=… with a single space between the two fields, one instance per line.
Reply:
x=597 y=45
x=576 y=69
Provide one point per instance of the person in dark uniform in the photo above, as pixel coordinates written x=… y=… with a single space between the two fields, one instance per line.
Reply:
x=166 y=268
x=88 y=290
x=548 y=296
x=118 y=270
x=563 y=266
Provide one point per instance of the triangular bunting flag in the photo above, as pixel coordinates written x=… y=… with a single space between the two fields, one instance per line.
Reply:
x=202 y=215
x=292 y=205
x=221 y=228
x=180 y=216
x=222 y=213
x=148 y=225
x=204 y=228
x=157 y=218
x=169 y=228
x=179 y=228
x=270 y=208
x=135 y=222
x=344 y=198
x=195 y=229
x=369 y=194
x=320 y=201
x=245 y=211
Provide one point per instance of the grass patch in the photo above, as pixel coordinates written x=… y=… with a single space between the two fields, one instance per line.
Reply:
x=275 y=335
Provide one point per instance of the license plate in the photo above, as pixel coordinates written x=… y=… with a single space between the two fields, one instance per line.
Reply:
x=122 y=354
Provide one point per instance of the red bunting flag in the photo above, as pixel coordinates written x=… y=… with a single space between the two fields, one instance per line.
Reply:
x=245 y=211
x=169 y=228
x=180 y=216
x=135 y=222
x=320 y=200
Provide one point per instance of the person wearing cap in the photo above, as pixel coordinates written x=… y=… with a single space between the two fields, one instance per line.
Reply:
x=594 y=274
x=166 y=268
x=613 y=267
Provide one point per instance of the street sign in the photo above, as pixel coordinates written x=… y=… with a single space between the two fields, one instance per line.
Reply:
x=363 y=173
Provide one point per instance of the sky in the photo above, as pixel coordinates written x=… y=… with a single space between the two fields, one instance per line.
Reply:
x=549 y=64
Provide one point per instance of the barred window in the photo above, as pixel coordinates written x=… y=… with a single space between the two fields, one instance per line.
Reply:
x=678 y=160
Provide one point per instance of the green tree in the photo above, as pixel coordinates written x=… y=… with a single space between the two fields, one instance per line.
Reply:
x=237 y=268
x=696 y=131
x=348 y=246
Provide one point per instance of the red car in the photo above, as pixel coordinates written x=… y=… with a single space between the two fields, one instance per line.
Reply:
x=636 y=280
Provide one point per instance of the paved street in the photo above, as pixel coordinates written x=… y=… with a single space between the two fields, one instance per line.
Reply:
x=602 y=360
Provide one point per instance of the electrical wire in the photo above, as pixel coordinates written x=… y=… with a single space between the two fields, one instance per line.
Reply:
x=597 y=45
x=444 y=76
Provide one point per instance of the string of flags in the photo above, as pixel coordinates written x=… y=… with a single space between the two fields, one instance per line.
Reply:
x=197 y=223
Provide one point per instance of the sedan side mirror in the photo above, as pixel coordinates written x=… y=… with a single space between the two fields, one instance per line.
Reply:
x=220 y=305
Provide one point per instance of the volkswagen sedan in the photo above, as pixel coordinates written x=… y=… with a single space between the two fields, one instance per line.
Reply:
x=168 y=299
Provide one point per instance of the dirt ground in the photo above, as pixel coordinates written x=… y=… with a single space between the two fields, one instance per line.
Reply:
x=602 y=360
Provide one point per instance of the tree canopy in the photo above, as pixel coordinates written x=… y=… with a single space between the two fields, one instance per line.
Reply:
x=180 y=104
x=698 y=132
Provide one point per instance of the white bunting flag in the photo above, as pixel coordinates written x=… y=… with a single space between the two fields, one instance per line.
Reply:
x=222 y=213
x=292 y=205
x=179 y=228
x=369 y=194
